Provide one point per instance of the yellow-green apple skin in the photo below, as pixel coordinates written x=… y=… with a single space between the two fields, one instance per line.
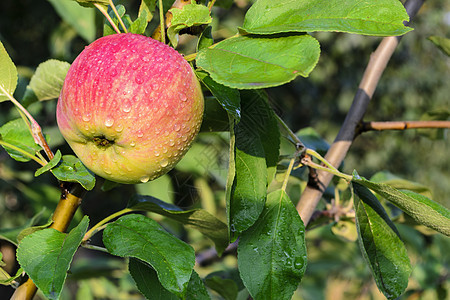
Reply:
x=130 y=107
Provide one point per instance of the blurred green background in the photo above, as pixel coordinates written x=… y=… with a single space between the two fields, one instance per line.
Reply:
x=416 y=83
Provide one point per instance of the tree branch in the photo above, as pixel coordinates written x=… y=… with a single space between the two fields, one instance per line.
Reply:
x=402 y=125
x=338 y=150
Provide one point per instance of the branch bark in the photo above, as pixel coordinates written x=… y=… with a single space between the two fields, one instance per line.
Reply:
x=403 y=125
x=64 y=212
x=338 y=150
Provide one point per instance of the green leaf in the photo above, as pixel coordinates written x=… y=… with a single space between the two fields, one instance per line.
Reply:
x=198 y=219
x=141 y=237
x=442 y=43
x=147 y=282
x=420 y=208
x=6 y=279
x=33 y=229
x=16 y=132
x=71 y=169
x=8 y=74
x=188 y=16
x=380 y=244
x=215 y=117
x=205 y=39
x=11 y=234
x=82 y=19
x=257 y=149
x=147 y=8
x=107 y=28
x=225 y=287
x=48 y=79
x=375 y=17
x=90 y=3
x=312 y=140
x=400 y=183
x=140 y=24
x=272 y=253
x=51 y=164
x=245 y=62
x=229 y=98
x=46 y=256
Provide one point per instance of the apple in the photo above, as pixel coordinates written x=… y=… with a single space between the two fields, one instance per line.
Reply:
x=129 y=108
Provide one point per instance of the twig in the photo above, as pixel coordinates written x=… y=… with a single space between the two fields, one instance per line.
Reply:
x=68 y=204
x=403 y=125
x=338 y=150
x=107 y=16
x=111 y=3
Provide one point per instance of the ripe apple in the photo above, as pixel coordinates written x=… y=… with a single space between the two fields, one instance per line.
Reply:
x=130 y=107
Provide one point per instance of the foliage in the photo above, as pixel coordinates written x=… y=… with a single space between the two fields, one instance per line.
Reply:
x=245 y=168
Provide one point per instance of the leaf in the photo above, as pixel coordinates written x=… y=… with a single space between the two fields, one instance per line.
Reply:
x=245 y=62
x=400 y=183
x=33 y=229
x=46 y=256
x=141 y=237
x=8 y=75
x=90 y=3
x=420 y=208
x=375 y=17
x=6 y=279
x=257 y=149
x=380 y=244
x=188 y=16
x=229 y=98
x=272 y=253
x=82 y=19
x=198 y=219
x=51 y=164
x=225 y=287
x=312 y=140
x=205 y=39
x=442 y=43
x=140 y=24
x=107 y=28
x=148 y=284
x=47 y=81
x=11 y=234
x=215 y=117
x=147 y=8
x=71 y=169
x=17 y=133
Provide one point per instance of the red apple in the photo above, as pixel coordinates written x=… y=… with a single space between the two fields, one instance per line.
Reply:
x=130 y=107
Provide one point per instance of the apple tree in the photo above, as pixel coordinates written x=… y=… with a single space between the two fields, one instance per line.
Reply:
x=130 y=106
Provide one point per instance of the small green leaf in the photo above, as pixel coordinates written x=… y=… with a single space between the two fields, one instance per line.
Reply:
x=346 y=230
x=46 y=256
x=33 y=229
x=225 y=287
x=188 y=16
x=140 y=24
x=205 y=39
x=198 y=219
x=8 y=74
x=272 y=253
x=48 y=79
x=147 y=282
x=71 y=169
x=442 y=43
x=90 y=3
x=400 y=183
x=375 y=17
x=147 y=8
x=51 y=164
x=380 y=244
x=82 y=19
x=17 y=133
x=245 y=62
x=420 y=208
x=141 y=237
x=6 y=279
x=229 y=98
x=107 y=28
x=312 y=140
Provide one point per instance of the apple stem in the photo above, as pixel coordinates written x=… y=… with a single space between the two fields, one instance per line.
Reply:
x=162 y=23
x=111 y=3
x=105 y=13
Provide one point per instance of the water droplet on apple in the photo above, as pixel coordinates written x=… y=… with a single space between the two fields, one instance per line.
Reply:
x=139 y=79
x=176 y=127
x=119 y=127
x=184 y=138
x=144 y=179
x=132 y=144
x=134 y=65
x=182 y=96
x=140 y=134
x=145 y=58
x=87 y=117
x=171 y=142
x=126 y=107
x=164 y=150
x=108 y=172
x=164 y=163
x=113 y=72
x=156 y=153
x=109 y=122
